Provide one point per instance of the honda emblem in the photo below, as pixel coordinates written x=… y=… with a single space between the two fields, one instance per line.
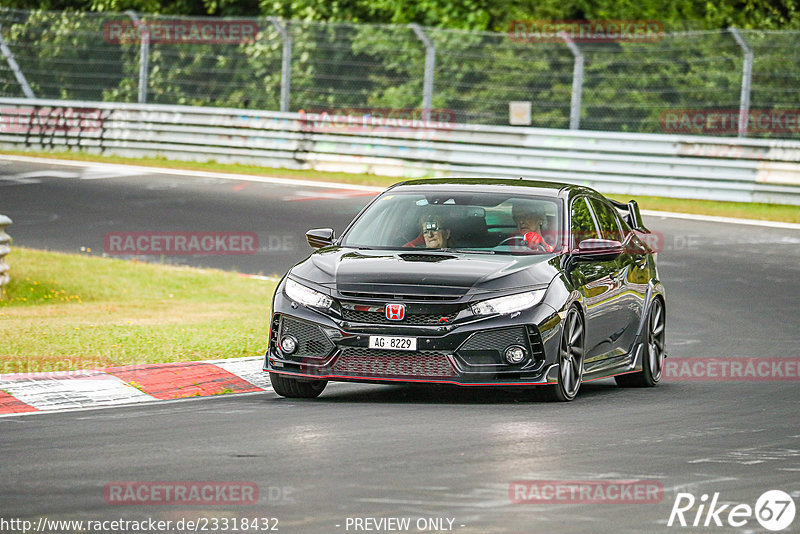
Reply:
x=395 y=312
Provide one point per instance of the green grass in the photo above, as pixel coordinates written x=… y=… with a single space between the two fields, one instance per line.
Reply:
x=745 y=210
x=69 y=312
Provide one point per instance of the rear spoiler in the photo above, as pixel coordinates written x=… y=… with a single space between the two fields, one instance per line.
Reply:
x=631 y=214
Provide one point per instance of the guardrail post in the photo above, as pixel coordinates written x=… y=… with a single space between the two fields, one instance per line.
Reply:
x=144 y=54
x=577 y=82
x=747 y=75
x=5 y=248
x=12 y=64
x=286 y=61
x=430 y=62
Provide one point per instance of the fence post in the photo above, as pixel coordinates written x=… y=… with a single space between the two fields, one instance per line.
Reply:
x=5 y=248
x=12 y=64
x=577 y=82
x=430 y=62
x=286 y=61
x=144 y=54
x=747 y=74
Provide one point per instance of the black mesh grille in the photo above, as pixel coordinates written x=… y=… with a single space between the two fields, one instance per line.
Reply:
x=486 y=348
x=393 y=363
x=311 y=341
x=410 y=318
x=481 y=357
x=496 y=339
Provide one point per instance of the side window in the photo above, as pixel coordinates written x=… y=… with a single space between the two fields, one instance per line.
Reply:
x=626 y=229
x=583 y=226
x=609 y=226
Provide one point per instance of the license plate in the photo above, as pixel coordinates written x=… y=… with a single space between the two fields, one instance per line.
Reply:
x=392 y=343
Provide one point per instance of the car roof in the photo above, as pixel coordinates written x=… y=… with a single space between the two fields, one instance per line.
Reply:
x=523 y=185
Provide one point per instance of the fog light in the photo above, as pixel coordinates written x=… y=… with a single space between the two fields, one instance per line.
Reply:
x=288 y=344
x=515 y=354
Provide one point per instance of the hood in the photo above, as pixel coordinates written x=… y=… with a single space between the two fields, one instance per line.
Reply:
x=423 y=273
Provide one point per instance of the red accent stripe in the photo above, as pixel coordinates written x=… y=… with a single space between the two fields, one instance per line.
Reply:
x=407 y=380
x=177 y=380
x=428 y=381
x=10 y=404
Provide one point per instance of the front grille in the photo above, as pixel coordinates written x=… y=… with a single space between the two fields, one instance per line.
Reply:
x=486 y=348
x=393 y=363
x=410 y=318
x=311 y=340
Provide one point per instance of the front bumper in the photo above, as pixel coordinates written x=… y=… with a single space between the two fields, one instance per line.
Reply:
x=467 y=351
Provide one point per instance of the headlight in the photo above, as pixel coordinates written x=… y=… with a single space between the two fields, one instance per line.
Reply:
x=306 y=296
x=509 y=304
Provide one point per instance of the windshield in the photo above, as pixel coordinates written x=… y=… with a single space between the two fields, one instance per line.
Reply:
x=478 y=222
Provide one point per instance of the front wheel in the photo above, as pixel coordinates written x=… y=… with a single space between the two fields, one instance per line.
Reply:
x=653 y=357
x=296 y=389
x=570 y=361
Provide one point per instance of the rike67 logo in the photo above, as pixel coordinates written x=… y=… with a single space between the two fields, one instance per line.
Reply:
x=774 y=510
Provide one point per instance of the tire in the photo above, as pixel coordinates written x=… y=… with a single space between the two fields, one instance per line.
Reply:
x=654 y=344
x=570 y=361
x=296 y=389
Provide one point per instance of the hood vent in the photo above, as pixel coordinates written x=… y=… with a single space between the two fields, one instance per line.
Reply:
x=430 y=258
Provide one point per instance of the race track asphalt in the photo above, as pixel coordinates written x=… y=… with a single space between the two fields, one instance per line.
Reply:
x=369 y=451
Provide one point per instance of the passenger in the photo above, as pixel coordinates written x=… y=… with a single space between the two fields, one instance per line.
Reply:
x=530 y=220
x=435 y=233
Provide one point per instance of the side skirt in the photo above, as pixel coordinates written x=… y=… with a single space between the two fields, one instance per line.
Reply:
x=621 y=365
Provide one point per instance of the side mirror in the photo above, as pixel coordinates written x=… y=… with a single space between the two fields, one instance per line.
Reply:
x=320 y=237
x=598 y=249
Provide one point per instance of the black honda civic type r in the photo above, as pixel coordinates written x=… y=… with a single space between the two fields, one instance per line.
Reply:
x=474 y=282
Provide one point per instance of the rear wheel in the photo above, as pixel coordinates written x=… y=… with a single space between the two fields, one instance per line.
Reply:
x=570 y=361
x=296 y=389
x=653 y=353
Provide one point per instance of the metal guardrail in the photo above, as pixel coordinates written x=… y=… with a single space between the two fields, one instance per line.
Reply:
x=717 y=168
x=5 y=248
